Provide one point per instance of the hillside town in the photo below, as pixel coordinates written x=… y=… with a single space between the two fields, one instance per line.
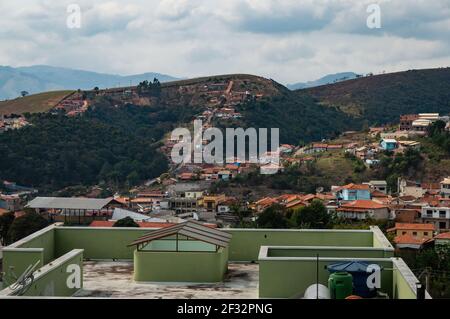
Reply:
x=419 y=212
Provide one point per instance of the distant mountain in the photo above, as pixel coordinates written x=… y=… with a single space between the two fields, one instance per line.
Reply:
x=41 y=78
x=327 y=79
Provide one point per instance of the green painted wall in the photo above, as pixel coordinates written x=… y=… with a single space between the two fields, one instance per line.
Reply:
x=245 y=243
x=402 y=289
x=27 y=251
x=44 y=240
x=17 y=260
x=54 y=281
x=180 y=266
x=98 y=243
x=288 y=278
x=327 y=252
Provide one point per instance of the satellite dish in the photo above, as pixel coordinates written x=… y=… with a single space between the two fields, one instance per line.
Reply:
x=319 y=190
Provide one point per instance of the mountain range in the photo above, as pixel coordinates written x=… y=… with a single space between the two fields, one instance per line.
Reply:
x=42 y=78
x=327 y=79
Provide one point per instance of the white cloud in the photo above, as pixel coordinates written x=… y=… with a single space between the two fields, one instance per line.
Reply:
x=288 y=40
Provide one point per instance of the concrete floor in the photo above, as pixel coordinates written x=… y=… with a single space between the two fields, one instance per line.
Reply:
x=114 y=280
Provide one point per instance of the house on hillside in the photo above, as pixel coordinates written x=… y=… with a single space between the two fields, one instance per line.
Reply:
x=445 y=187
x=388 y=144
x=413 y=235
x=353 y=192
x=363 y=209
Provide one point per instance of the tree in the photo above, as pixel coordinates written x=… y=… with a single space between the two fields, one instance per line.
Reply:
x=312 y=216
x=237 y=210
x=272 y=217
x=24 y=93
x=25 y=225
x=6 y=221
x=126 y=222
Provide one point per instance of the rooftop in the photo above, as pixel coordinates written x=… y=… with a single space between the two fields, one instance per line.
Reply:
x=410 y=226
x=115 y=279
x=69 y=203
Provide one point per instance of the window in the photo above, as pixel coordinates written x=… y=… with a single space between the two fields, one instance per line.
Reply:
x=442 y=225
x=403 y=233
x=414 y=233
x=442 y=214
x=425 y=233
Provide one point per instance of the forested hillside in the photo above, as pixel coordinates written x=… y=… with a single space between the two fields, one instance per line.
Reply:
x=116 y=146
x=383 y=98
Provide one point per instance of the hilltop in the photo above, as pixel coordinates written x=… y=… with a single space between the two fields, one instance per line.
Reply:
x=383 y=98
x=36 y=103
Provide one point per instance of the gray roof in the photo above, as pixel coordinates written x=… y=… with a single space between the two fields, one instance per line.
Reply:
x=69 y=203
x=120 y=213
x=189 y=229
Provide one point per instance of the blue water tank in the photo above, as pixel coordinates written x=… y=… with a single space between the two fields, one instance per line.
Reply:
x=358 y=270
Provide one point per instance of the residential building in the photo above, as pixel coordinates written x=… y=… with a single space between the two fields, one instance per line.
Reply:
x=412 y=236
x=363 y=209
x=352 y=192
x=210 y=202
x=445 y=187
x=406 y=121
x=438 y=216
x=183 y=205
x=388 y=144
x=193 y=194
x=380 y=186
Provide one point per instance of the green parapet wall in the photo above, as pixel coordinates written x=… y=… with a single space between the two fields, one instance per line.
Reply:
x=39 y=246
x=17 y=260
x=170 y=266
x=327 y=251
x=55 y=279
x=290 y=276
x=245 y=243
x=98 y=242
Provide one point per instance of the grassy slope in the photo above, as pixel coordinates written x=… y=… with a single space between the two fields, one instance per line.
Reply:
x=35 y=103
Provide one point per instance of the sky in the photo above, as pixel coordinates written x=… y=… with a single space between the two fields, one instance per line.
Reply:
x=286 y=40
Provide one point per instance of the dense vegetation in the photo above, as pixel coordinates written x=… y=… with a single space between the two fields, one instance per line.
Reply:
x=439 y=136
x=126 y=222
x=112 y=145
x=383 y=98
x=299 y=118
x=13 y=229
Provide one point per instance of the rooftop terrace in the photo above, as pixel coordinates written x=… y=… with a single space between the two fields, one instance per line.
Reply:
x=115 y=280
x=264 y=263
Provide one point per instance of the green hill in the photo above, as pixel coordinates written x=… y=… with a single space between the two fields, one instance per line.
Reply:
x=383 y=98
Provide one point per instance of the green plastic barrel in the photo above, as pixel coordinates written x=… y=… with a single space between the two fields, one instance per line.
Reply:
x=340 y=285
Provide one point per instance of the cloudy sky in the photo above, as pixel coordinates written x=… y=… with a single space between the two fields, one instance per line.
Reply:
x=287 y=40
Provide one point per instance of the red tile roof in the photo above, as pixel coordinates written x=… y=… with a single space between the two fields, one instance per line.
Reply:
x=443 y=236
x=356 y=186
x=408 y=239
x=363 y=204
x=413 y=226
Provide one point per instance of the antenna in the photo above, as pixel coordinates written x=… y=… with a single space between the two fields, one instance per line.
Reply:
x=24 y=281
